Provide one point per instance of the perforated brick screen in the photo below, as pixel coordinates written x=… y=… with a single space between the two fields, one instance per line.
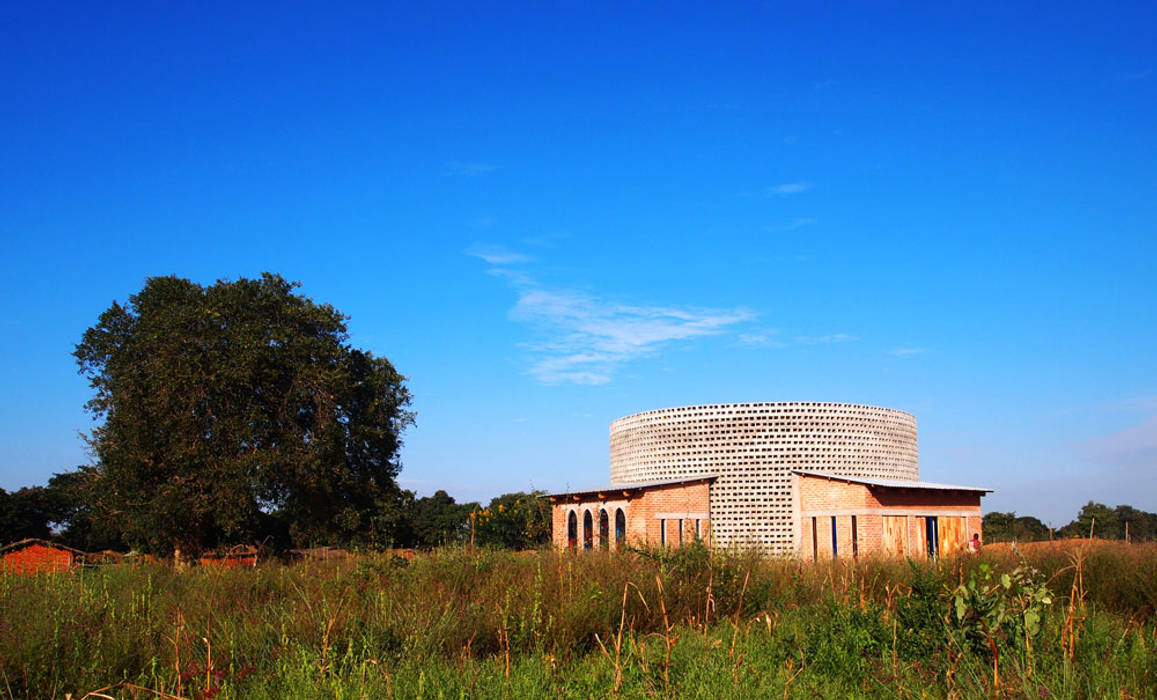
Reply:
x=753 y=448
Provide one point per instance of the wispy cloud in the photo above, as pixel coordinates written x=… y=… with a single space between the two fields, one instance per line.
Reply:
x=789 y=188
x=1129 y=448
x=796 y=223
x=496 y=254
x=1136 y=403
x=824 y=339
x=761 y=339
x=587 y=338
x=582 y=337
x=470 y=169
x=905 y=352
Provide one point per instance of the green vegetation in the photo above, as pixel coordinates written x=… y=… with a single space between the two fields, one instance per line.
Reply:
x=238 y=413
x=1073 y=621
x=1120 y=523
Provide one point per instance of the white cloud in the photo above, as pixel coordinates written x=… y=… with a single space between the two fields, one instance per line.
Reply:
x=583 y=338
x=789 y=188
x=497 y=255
x=905 y=352
x=588 y=338
x=1134 y=447
x=761 y=339
x=470 y=169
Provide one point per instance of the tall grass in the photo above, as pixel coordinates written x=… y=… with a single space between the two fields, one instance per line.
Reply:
x=689 y=623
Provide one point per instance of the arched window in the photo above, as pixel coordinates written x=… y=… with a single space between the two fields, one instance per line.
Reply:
x=571 y=530
x=620 y=527
x=588 y=535
x=604 y=529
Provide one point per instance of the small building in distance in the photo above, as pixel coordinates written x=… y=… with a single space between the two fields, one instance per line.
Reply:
x=667 y=513
x=846 y=516
x=236 y=557
x=35 y=556
x=813 y=480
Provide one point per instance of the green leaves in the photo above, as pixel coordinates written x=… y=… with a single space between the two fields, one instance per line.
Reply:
x=236 y=412
x=1001 y=611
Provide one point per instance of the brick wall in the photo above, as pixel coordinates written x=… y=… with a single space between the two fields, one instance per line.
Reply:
x=673 y=503
x=827 y=495
x=38 y=558
x=820 y=499
x=940 y=499
x=644 y=508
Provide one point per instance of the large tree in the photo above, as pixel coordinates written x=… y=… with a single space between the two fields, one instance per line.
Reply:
x=437 y=520
x=24 y=513
x=238 y=411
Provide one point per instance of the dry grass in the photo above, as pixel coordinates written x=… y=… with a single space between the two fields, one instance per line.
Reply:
x=599 y=623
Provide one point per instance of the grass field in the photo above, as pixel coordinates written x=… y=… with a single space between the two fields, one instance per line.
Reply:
x=1064 y=620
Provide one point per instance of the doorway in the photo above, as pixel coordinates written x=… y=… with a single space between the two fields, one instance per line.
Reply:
x=932 y=537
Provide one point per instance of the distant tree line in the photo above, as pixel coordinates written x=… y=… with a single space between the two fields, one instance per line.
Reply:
x=62 y=511
x=238 y=413
x=1096 y=519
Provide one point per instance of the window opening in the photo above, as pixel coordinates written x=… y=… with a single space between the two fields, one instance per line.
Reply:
x=931 y=533
x=855 y=539
x=835 y=540
x=815 y=541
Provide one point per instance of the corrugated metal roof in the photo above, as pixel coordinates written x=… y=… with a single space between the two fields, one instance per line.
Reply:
x=636 y=485
x=892 y=483
x=21 y=544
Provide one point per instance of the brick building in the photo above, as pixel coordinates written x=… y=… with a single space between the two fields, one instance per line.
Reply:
x=842 y=516
x=815 y=480
x=668 y=513
x=33 y=556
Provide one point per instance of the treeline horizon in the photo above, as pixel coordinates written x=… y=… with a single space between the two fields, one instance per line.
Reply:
x=1094 y=520
x=239 y=413
x=519 y=520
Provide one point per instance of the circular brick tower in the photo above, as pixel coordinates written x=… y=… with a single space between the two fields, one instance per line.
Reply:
x=753 y=448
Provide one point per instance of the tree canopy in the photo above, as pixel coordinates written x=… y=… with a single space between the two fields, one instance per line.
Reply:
x=1007 y=527
x=514 y=521
x=24 y=513
x=435 y=520
x=238 y=411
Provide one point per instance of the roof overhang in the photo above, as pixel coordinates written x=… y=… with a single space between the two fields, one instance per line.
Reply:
x=44 y=543
x=892 y=483
x=626 y=490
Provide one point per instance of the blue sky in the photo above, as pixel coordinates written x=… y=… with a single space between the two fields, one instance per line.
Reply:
x=551 y=215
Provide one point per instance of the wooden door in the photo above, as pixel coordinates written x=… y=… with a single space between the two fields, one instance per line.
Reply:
x=917 y=542
x=895 y=539
x=951 y=536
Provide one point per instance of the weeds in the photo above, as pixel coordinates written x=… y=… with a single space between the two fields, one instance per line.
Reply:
x=686 y=623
